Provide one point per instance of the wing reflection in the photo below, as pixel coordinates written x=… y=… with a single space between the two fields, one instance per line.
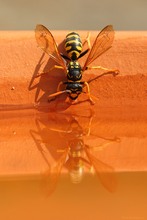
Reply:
x=67 y=139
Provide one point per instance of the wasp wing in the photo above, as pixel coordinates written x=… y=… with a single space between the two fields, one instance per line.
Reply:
x=51 y=177
x=101 y=44
x=103 y=170
x=47 y=43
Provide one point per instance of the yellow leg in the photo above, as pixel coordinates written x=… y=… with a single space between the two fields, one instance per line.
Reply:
x=58 y=91
x=88 y=92
x=112 y=71
x=87 y=40
x=58 y=88
x=89 y=127
x=54 y=67
x=104 y=145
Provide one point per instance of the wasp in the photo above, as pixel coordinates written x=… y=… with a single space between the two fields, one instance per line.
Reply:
x=68 y=62
x=78 y=155
x=64 y=138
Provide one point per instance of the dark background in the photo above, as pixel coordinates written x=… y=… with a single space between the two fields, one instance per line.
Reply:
x=73 y=15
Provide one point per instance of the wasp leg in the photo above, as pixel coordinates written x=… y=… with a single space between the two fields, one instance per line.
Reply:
x=58 y=91
x=59 y=85
x=54 y=67
x=112 y=71
x=88 y=93
x=87 y=40
x=88 y=129
x=104 y=145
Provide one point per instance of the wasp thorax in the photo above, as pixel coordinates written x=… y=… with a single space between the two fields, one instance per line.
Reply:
x=73 y=45
x=74 y=71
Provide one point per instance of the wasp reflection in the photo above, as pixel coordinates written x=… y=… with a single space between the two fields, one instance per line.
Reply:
x=67 y=139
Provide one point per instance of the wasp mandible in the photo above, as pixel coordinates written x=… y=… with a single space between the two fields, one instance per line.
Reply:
x=69 y=63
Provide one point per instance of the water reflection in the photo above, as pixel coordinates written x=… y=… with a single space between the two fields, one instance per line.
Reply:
x=70 y=141
x=33 y=142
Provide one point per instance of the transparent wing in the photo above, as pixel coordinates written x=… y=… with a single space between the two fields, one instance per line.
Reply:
x=47 y=43
x=101 y=44
x=51 y=178
x=104 y=171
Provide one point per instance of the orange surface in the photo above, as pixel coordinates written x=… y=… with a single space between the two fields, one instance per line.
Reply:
x=37 y=137
x=28 y=142
x=21 y=60
x=88 y=200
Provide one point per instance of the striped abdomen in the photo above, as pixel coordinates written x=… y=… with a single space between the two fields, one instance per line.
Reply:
x=73 y=45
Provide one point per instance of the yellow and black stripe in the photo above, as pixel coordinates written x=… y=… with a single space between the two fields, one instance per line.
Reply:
x=73 y=45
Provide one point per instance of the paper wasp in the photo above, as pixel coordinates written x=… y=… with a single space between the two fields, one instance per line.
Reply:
x=65 y=138
x=69 y=62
